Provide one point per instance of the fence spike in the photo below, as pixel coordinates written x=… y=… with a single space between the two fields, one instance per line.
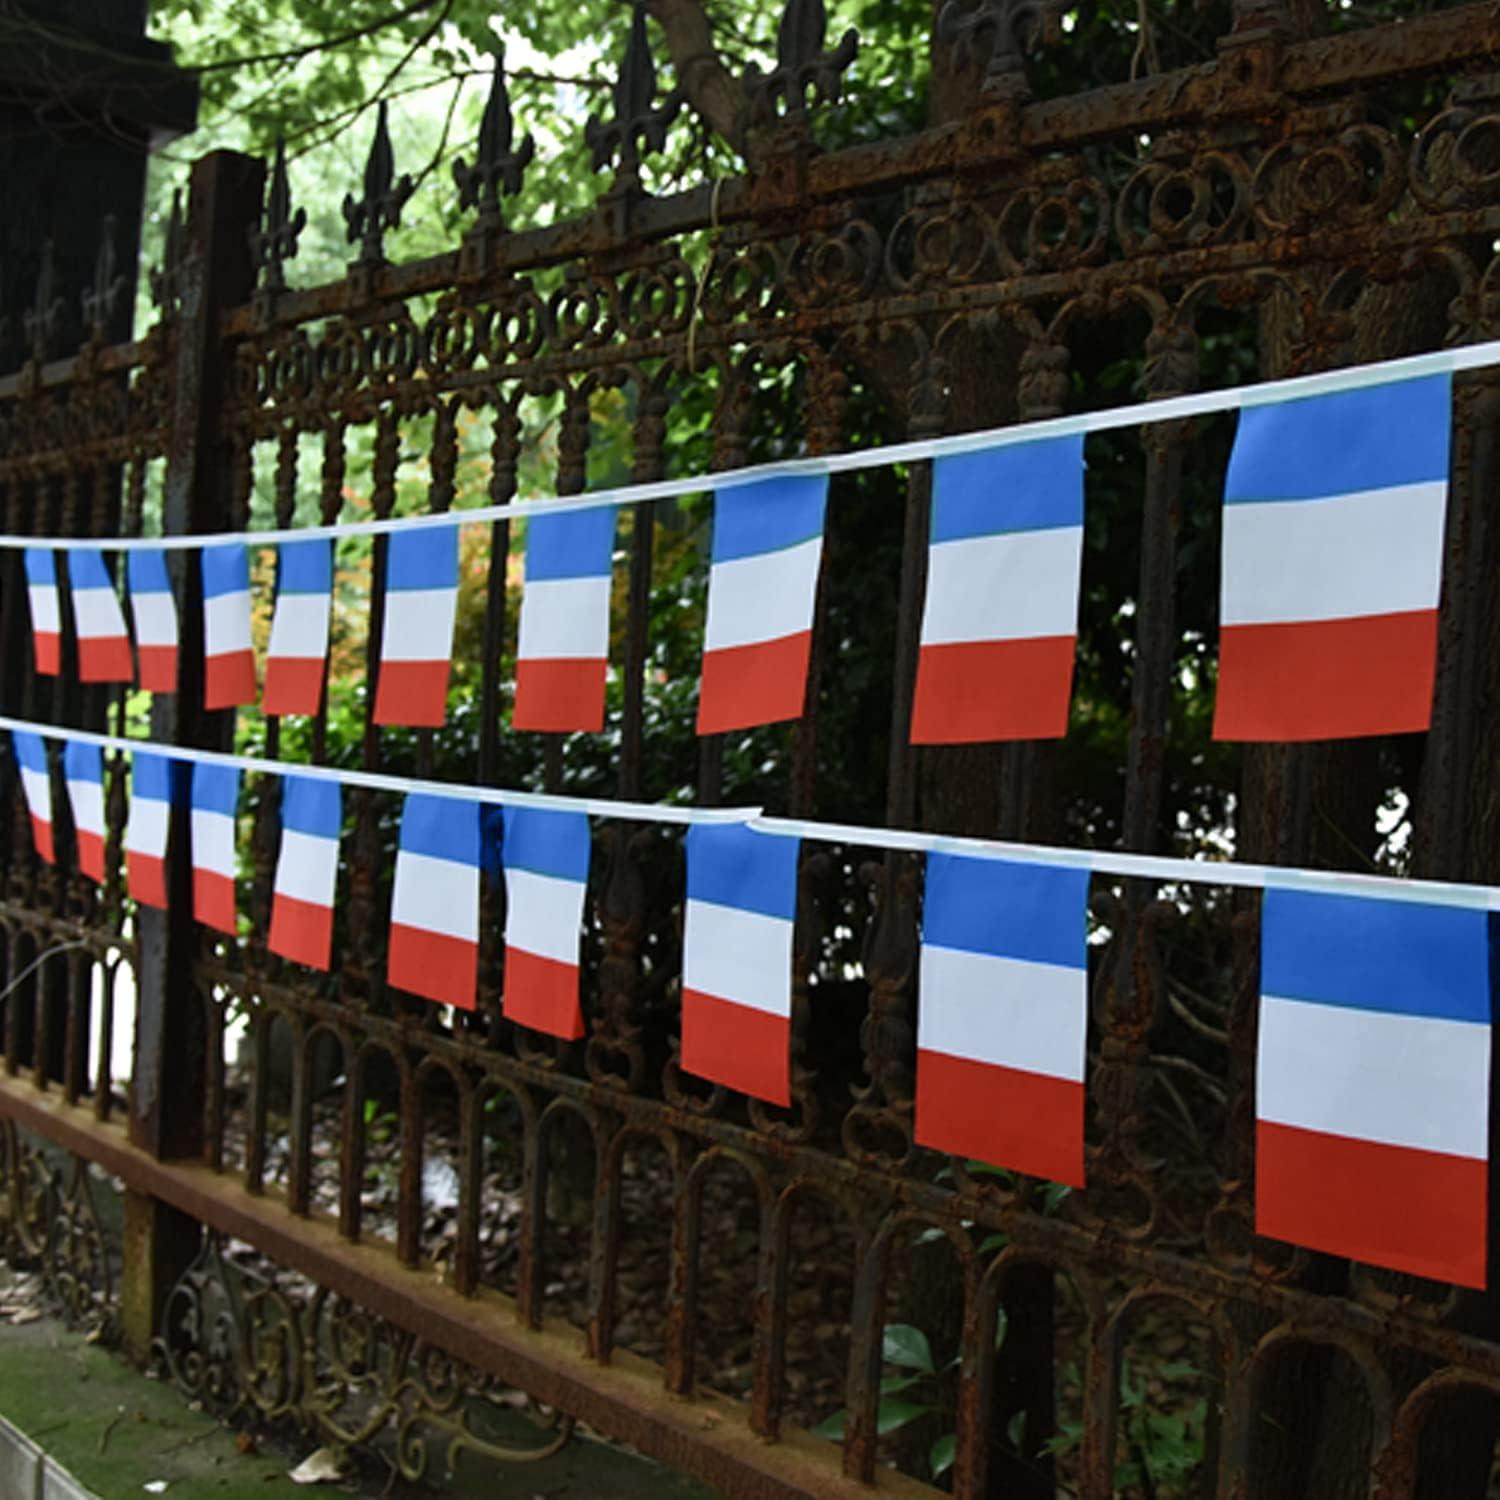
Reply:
x=498 y=168
x=636 y=125
x=801 y=64
x=273 y=241
x=371 y=217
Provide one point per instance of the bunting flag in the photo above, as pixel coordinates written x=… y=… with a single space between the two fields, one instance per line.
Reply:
x=737 y=958
x=298 y=654
x=103 y=643
x=146 y=829
x=434 y=948
x=36 y=784
x=306 y=871
x=1373 y=1081
x=1000 y=620
x=155 y=614
x=46 y=616
x=1003 y=1014
x=215 y=804
x=564 y=641
x=546 y=875
x=229 y=661
x=83 y=775
x=762 y=586
x=1334 y=512
x=416 y=638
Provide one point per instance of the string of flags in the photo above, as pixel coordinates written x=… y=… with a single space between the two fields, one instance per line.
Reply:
x=1333 y=542
x=1376 y=992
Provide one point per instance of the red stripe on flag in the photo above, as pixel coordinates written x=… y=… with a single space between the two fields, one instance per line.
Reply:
x=229 y=680
x=1422 y=1212
x=213 y=900
x=1028 y=1122
x=41 y=836
x=48 y=653
x=559 y=695
x=748 y=685
x=412 y=693
x=91 y=855
x=1327 y=679
x=543 y=994
x=147 y=878
x=301 y=931
x=444 y=969
x=105 y=658
x=158 y=668
x=294 y=685
x=978 y=691
x=737 y=1045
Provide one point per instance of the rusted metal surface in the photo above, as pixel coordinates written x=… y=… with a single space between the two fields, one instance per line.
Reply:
x=1289 y=203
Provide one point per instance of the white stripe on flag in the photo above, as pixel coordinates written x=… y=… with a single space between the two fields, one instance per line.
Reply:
x=299 y=628
x=38 y=788
x=543 y=915
x=155 y=619
x=738 y=955
x=1374 y=553
x=436 y=895
x=565 y=618
x=762 y=598
x=213 y=841
x=146 y=828
x=1374 y=1076
x=96 y=612
x=418 y=625
x=226 y=624
x=1009 y=1012
x=1018 y=586
x=87 y=801
x=307 y=869
x=46 y=619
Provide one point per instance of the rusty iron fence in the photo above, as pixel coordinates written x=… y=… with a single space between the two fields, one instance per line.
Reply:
x=701 y=1275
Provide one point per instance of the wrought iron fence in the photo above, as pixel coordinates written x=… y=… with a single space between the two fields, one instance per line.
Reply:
x=1305 y=197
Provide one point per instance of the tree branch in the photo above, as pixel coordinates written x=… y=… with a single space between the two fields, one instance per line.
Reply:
x=712 y=90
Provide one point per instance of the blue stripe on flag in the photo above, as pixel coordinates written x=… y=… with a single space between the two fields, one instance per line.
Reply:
x=1023 y=487
x=441 y=828
x=312 y=807
x=1369 y=439
x=1038 y=913
x=226 y=570
x=147 y=572
x=216 y=789
x=305 y=567
x=547 y=843
x=1399 y=957
x=424 y=559
x=768 y=515
x=732 y=865
x=83 y=762
x=30 y=751
x=151 y=776
x=86 y=570
x=576 y=544
x=41 y=565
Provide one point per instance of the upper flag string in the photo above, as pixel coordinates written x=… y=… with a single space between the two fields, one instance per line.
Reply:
x=1158 y=868
x=1142 y=413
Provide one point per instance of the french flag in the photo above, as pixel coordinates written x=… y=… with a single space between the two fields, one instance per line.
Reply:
x=103 y=644
x=737 y=958
x=564 y=640
x=306 y=871
x=546 y=875
x=46 y=615
x=1334 y=512
x=434 y=948
x=229 y=661
x=83 y=775
x=36 y=783
x=152 y=778
x=1000 y=620
x=762 y=585
x=1373 y=1081
x=215 y=803
x=298 y=652
x=155 y=614
x=416 y=640
x=1003 y=1014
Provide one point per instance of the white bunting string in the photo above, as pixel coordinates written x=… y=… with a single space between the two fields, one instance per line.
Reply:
x=1141 y=413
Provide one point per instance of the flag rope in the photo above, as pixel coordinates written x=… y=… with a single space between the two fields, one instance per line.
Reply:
x=1141 y=413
